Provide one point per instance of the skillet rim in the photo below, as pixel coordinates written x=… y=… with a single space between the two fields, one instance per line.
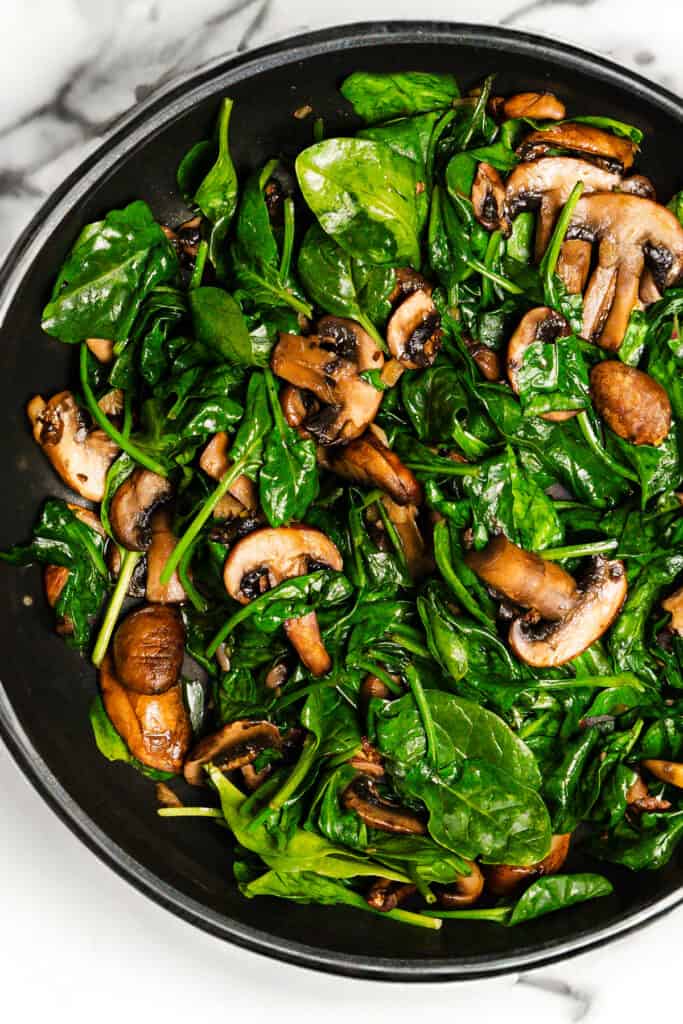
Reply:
x=116 y=144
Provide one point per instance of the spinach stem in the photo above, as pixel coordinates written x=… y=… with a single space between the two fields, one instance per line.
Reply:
x=128 y=562
x=303 y=691
x=107 y=426
x=598 y=682
x=97 y=559
x=196 y=599
x=201 y=517
x=552 y=253
x=499 y=915
x=444 y=561
x=298 y=773
x=399 y=636
x=366 y=665
x=190 y=812
x=199 y=265
x=127 y=412
x=425 y=712
x=432 y=921
x=288 y=238
x=593 y=443
x=393 y=535
x=492 y=250
x=502 y=282
x=598 y=547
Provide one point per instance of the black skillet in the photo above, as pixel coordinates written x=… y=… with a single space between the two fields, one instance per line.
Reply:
x=46 y=688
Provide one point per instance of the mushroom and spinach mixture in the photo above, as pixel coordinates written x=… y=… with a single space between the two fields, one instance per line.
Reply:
x=376 y=533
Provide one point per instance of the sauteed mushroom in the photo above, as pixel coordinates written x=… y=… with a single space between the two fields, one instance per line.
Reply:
x=505 y=879
x=414 y=331
x=233 y=746
x=541 y=106
x=487 y=359
x=101 y=348
x=156 y=729
x=633 y=405
x=600 y=599
x=163 y=543
x=368 y=462
x=267 y=557
x=404 y=519
x=80 y=456
x=465 y=891
x=541 y=324
x=665 y=771
x=674 y=605
x=525 y=578
x=608 y=150
x=488 y=199
x=385 y=894
x=148 y=649
x=215 y=461
x=627 y=229
x=329 y=364
x=362 y=796
x=132 y=506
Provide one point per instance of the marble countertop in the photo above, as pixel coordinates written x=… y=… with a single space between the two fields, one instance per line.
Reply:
x=81 y=943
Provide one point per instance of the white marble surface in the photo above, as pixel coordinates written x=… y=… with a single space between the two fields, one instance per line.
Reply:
x=77 y=943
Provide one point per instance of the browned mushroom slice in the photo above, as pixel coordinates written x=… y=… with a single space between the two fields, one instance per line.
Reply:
x=627 y=229
x=148 y=649
x=101 y=348
x=638 y=185
x=525 y=578
x=265 y=558
x=80 y=456
x=600 y=599
x=488 y=199
x=414 y=331
x=368 y=462
x=156 y=729
x=329 y=364
x=362 y=796
x=540 y=324
x=665 y=771
x=674 y=605
x=215 y=461
x=487 y=359
x=112 y=403
x=610 y=151
x=648 y=291
x=639 y=800
x=574 y=265
x=407 y=282
x=132 y=506
x=163 y=543
x=465 y=891
x=506 y=879
x=633 y=404
x=543 y=106
x=368 y=760
x=546 y=184
x=385 y=895
x=232 y=747
x=417 y=555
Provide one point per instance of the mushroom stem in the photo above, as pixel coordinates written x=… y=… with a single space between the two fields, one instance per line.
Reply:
x=128 y=563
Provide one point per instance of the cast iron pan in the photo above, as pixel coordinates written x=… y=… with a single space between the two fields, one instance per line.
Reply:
x=46 y=688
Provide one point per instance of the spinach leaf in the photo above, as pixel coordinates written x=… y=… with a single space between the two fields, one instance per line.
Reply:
x=644 y=848
x=440 y=410
x=216 y=196
x=113 y=265
x=553 y=376
x=220 y=325
x=546 y=895
x=363 y=195
x=288 y=481
x=379 y=97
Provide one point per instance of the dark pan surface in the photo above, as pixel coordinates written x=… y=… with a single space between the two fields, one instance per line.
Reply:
x=46 y=689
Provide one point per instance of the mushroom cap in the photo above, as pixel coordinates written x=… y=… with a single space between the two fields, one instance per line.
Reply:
x=543 y=106
x=215 y=461
x=80 y=456
x=163 y=544
x=369 y=462
x=486 y=359
x=603 y=592
x=633 y=404
x=612 y=150
x=488 y=198
x=414 y=331
x=132 y=506
x=525 y=578
x=465 y=891
x=236 y=744
x=540 y=324
x=505 y=879
x=148 y=649
x=362 y=796
x=279 y=553
x=156 y=729
x=304 y=635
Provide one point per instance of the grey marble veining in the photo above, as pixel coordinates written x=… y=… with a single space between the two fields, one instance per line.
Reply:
x=60 y=87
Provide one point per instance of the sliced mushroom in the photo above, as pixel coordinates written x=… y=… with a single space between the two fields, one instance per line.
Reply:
x=487 y=359
x=639 y=185
x=574 y=265
x=600 y=599
x=506 y=879
x=633 y=404
x=329 y=364
x=163 y=544
x=628 y=229
x=414 y=331
x=156 y=729
x=488 y=199
x=233 y=746
x=362 y=796
x=112 y=403
x=541 y=106
x=540 y=324
x=368 y=760
x=665 y=771
x=417 y=555
x=546 y=184
x=148 y=649
x=265 y=558
x=101 y=348
x=215 y=461
x=385 y=895
x=639 y=800
x=465 y=891
x=525 y=578
x=368 y=462
x=407 y=282
x=132 y=506
x=674 y=605
x=80 y=456
x=610 y=151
